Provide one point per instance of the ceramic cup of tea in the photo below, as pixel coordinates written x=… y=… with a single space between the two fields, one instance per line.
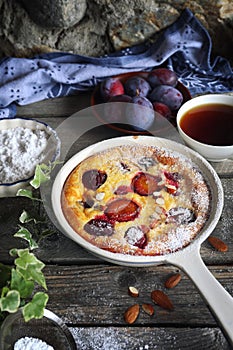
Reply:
x=206 y=125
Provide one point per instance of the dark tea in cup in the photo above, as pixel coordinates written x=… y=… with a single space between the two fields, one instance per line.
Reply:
x=211 y=124
x=205 y=123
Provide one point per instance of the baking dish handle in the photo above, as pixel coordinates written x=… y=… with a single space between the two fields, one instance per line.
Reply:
x=216 y=297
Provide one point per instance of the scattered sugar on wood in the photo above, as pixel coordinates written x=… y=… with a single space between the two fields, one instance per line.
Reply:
x=113 y=338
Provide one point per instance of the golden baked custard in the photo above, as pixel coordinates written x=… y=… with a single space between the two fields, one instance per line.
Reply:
x=138 y=200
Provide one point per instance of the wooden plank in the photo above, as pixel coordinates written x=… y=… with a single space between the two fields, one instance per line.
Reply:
x=149 y=338
x=59 y=249
x=98 y=294
x=57 y=107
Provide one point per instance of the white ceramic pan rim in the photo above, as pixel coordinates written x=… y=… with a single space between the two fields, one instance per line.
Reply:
x=188 y=259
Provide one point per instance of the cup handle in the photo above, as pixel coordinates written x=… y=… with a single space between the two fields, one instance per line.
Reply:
x=216 y=297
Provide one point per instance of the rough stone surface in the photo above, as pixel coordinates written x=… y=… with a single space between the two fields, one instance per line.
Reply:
x=142 y=25
x=31 y=27
x=55 y=14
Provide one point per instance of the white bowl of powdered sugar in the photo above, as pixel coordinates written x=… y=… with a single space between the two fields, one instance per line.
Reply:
x=24 y=143
x=48 y=333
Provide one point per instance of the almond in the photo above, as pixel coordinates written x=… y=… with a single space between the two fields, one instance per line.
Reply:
x=133 y=292
x=171 y=189
x=218 y=244
x=148 y=308
x=131 y=313
x=160 y=298
x=172 y=281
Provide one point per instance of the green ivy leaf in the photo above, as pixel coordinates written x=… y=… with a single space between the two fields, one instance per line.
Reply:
x=24 y=193
x=25 y=234
x=32 y=274
x=30 y=267
x=13 y=252
x=35 y=308
x=25 y=217
x=25 y=288
x=26 y=258
x=10 y=302
x=4 y=291
x=41 y=176
x=27 y=193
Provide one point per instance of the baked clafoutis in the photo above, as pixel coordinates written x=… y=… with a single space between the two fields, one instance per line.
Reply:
x=136 y=199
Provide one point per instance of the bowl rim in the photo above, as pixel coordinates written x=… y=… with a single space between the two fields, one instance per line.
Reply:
x=55 y=319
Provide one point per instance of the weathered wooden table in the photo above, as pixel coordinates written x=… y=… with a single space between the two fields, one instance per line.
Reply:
x=91 y=295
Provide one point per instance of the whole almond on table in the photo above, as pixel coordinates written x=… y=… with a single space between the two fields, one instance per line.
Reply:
x=161 y=299
x=218 y=244
x=172 y=281
x=131 y=314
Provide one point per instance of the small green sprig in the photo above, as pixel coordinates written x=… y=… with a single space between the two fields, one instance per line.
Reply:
x=42 y=175
x=18 y=283
x=18 y=291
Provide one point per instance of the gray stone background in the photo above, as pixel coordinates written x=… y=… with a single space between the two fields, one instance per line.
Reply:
x=96 y=27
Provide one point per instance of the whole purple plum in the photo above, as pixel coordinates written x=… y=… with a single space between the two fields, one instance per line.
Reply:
x=137 y=86
x=111 y=87
x=162 y=109
x=140 y=113
x=114 y=110
x=168 y=95
x=162 y=76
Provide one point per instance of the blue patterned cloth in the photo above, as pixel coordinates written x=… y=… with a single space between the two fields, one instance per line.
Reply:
x=184 y=47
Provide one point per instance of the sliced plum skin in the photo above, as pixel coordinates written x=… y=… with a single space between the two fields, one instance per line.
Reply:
x=93 y=179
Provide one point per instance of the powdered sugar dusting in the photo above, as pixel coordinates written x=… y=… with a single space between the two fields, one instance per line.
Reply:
x=176 y=239
x=21 y=149
x=134 y=234
x=29 y=343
